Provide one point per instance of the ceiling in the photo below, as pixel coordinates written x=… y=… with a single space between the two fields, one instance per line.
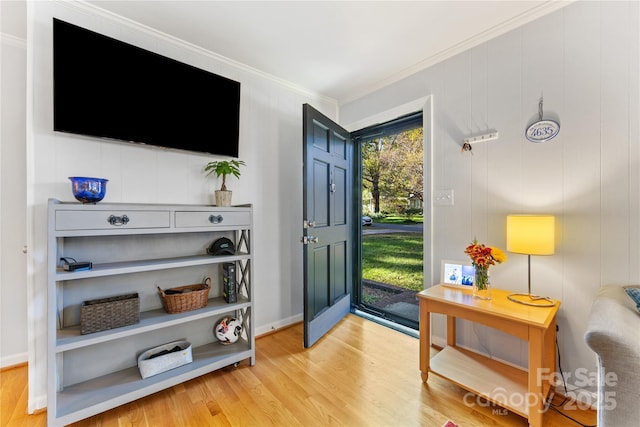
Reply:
x=338 y=49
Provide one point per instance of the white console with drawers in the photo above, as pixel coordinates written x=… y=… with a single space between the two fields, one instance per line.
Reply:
x=135 y=248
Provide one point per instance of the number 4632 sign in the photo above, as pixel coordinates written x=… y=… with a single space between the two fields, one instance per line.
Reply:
x=543 y=131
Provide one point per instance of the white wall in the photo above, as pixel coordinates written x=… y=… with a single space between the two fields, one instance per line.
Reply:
x=584 y=60
x=13 y=237
x=270 y=144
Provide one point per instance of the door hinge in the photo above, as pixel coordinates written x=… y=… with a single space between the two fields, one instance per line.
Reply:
x=309 y=239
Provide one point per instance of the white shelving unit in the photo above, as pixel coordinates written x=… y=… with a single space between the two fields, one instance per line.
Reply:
x=136 y=248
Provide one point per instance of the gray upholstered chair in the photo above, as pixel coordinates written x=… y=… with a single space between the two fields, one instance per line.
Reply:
x=613 y=333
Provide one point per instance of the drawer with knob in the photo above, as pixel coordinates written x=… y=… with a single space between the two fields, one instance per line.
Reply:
x=111 y=219
x=212 y=218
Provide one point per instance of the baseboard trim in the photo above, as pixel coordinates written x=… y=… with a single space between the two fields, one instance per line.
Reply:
x=9 y=368
x=280 y=324
x=273 y=331
x=38 y=405
x=13 y=361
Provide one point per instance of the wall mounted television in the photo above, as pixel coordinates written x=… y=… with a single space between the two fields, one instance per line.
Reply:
x=106 y=88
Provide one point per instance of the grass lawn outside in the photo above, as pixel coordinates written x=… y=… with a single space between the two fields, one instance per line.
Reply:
x=394 y=258
x=399 y=219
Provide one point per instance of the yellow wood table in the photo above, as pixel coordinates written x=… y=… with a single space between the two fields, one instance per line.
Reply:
x=521 y=391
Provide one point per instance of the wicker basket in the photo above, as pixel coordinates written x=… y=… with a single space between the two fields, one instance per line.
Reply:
x=185 y=298
x=108 y=313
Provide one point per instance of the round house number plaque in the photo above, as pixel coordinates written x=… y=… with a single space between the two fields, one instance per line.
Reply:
x=542 y=131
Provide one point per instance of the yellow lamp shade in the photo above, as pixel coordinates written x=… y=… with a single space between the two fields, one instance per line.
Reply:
x=531 y=234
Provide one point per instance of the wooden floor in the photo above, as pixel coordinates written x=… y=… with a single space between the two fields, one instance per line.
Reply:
x=360 y=374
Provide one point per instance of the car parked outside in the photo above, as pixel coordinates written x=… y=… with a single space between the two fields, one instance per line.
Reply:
x=366 y=221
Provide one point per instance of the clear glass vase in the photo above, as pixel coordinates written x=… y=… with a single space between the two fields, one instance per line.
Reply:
x=482 y=284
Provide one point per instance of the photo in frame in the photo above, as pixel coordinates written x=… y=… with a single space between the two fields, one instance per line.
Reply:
x=457 y=273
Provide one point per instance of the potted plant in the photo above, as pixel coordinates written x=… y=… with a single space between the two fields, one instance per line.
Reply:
x=224 y=168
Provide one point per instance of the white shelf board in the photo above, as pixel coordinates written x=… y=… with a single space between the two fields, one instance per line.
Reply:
x=70 y=338
x=483 y=376
x=142 y=231
x=103 y=393
x=127 y=267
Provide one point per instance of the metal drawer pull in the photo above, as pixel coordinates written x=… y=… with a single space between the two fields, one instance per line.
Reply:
x=215 y=219
x=118 y=220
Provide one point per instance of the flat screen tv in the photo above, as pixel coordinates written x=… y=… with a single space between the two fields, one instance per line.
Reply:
x=110 y=89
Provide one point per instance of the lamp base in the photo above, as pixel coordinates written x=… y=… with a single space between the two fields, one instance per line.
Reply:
x=532 y=300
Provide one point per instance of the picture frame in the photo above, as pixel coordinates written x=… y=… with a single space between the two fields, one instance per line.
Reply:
x=457 y=274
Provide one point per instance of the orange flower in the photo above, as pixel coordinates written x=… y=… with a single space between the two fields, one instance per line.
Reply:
x=484 y=256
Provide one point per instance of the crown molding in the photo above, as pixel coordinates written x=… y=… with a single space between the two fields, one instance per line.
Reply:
x=532 y=14
x=542 y=9
x=93 y=9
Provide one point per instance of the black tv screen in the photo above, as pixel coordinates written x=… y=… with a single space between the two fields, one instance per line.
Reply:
x=110 y=89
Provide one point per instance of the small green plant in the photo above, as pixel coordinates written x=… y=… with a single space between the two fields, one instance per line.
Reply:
x=370 y=299
x=224 y=168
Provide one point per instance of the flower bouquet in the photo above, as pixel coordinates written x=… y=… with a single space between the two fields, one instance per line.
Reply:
x=483 y=257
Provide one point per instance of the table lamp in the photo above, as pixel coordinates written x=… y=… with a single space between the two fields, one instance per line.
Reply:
x=531 y=235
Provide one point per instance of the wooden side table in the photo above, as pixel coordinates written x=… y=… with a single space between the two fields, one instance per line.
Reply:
x=521 y=391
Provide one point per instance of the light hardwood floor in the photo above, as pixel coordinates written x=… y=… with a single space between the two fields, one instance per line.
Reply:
x=360 y=374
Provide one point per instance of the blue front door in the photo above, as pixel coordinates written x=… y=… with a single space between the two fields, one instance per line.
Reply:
x=327 y=210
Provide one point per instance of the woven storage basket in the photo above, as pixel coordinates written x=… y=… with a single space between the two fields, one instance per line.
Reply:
x=185 y=298
x=108 y=313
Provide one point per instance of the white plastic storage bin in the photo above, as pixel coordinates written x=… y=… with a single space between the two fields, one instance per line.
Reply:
x=150 y=365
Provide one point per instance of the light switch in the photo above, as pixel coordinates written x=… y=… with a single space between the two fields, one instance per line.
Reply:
x=443 y=198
